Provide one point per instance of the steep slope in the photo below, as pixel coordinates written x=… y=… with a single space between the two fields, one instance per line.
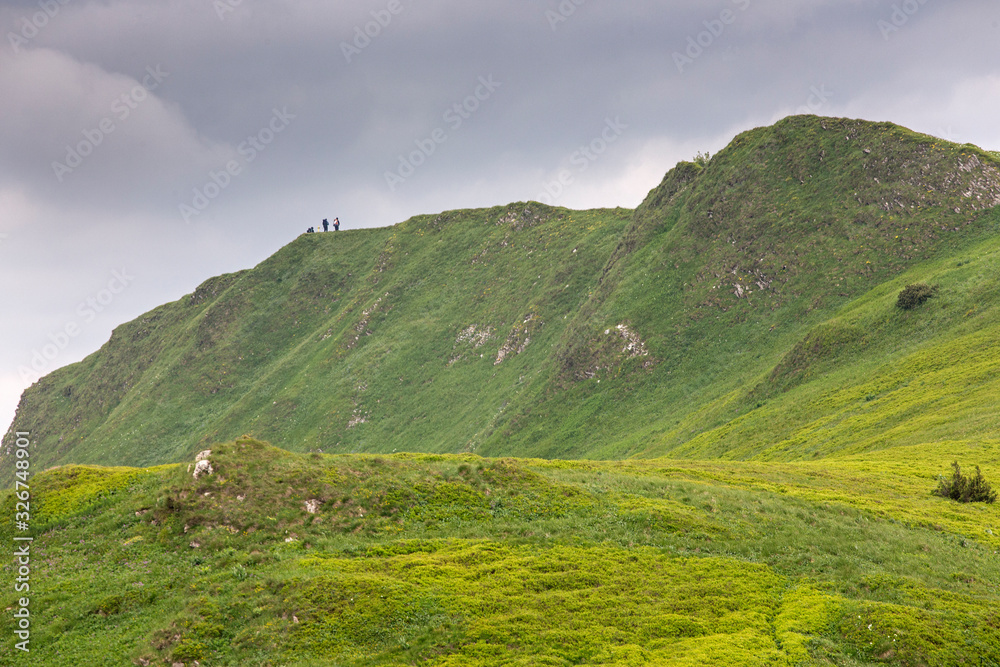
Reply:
x=680 y=328
x=413 y=336
x=727 y=268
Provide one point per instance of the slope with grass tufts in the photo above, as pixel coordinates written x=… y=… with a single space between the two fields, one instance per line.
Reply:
x=746 y=309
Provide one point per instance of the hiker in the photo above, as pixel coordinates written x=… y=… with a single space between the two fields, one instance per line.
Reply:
x=326 y=225
x=336 y=224
x=311 y=230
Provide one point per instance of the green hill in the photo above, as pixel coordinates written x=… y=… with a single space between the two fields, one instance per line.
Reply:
x=293 y=559
x=726 y=433
x=746 y=309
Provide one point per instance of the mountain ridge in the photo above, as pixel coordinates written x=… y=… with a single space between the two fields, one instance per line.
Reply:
x=697 y=432
x=610 y=333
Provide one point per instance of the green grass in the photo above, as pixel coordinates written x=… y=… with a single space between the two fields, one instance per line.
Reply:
x=741 y=312
x=460 y=560
x=726 y=433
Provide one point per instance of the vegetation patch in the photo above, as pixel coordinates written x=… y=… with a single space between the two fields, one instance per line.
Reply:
x=72 y=489
x=811 y=355
x=966 y=489
x=914 y=295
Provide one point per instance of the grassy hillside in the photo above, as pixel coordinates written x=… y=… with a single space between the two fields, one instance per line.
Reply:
x=726 y=269
x=745 y=310
x=364 y=340
x=875 y=376
x=726 y=431
x=286 y=559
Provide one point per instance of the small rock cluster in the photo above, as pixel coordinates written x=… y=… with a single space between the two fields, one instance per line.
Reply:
x=202 y=466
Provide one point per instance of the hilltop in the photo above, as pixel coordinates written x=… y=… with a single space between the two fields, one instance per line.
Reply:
x=697 y=432
x=744 y=310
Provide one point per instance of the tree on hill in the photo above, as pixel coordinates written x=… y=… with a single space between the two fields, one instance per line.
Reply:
x=966 y=489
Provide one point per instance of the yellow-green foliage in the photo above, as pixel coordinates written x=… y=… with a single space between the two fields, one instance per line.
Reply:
x=661 y=515
x=553 y=605
x=459 y=560
x=868 y=377
x=805 y=612
x=894 y=483
x=71 y=489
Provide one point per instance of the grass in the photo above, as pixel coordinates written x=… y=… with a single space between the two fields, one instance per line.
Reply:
x=726 y=433
x=738 y=312
x=448 y=560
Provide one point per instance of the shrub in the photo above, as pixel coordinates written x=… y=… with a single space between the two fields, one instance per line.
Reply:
x=914 y=295
x=966 y=489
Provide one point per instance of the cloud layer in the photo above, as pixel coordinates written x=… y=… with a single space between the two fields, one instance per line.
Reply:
x=119 y=114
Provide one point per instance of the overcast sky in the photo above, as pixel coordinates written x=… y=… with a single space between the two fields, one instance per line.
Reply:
x=147 y=145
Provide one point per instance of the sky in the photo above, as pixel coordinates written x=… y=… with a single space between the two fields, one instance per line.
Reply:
x=147 y=145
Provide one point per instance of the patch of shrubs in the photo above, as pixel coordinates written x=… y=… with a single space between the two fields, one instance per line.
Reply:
x=914 y=295
x=966 y=489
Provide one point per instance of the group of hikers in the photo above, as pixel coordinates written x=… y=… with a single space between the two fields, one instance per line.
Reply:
x=326 y=226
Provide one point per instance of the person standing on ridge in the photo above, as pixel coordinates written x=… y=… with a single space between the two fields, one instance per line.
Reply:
x=326 y=225
x=336 y=224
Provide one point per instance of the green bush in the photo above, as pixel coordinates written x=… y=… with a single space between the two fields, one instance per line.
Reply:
x=914 y=295
x=966 y=489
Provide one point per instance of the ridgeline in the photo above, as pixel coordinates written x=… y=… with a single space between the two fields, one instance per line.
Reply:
x=769 y=424
x=713 y=321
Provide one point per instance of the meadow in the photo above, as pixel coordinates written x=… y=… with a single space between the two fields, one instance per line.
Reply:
x=307 y=559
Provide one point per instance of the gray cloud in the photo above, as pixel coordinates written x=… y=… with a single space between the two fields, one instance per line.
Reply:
x=564 y=67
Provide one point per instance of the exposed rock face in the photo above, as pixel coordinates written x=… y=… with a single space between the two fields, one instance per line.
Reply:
x=519 y=338
x=203 y=467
